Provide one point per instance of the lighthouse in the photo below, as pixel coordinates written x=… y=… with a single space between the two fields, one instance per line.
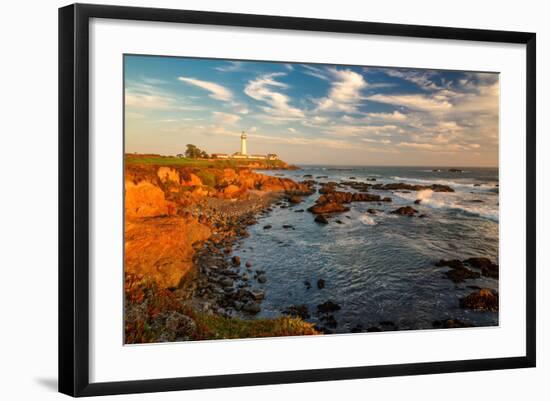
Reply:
x=243 y=144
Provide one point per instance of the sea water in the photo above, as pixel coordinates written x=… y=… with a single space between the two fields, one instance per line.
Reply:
x=380 y=267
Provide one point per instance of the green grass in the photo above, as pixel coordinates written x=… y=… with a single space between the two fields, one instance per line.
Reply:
x=214 y=327
x=146 y=306
x=158 y=160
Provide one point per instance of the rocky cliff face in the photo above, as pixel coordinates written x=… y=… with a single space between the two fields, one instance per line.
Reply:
x=161 y=249
x=160 y=232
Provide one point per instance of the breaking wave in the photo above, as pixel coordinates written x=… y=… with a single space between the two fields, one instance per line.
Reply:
x=453 y=201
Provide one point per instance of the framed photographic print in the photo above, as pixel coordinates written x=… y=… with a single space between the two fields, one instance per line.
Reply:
x=249 y=199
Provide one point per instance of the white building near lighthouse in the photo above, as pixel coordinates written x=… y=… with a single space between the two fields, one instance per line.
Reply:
x=243 y=144
x=243 y=154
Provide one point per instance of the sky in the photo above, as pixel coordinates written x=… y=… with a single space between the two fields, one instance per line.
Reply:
x=312 y=113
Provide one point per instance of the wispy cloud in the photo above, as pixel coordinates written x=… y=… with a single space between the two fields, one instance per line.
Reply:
x=414 y=102
x=345 y=92
x=263 y=89
x=232 y=66
x=422 y=78
x=315 y=72
x=148 y=102
x=226 y=118
x=216 y=91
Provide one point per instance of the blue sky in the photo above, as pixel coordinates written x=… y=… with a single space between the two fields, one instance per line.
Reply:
x=312 y=113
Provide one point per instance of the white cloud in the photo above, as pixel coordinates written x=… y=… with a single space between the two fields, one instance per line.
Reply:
x=291 y=130
x=345 y=92
x=415 y=102
x=395 y=116
x=147 y=101
x=364 y=130
x=315 y=72
x=217 y=92
x=226 y=118
x=262 y=89
x=232 y=66
x=423 y=79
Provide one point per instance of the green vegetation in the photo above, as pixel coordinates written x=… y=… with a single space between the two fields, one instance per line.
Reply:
x=148 y=309
x=208 y=178
x=193 y=152
x=219 y=327
x=159 y=160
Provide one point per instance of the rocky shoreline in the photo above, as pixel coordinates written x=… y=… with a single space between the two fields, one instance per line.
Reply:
x=220 y=283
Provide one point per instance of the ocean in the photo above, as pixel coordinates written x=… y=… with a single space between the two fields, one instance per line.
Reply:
x=380 y=269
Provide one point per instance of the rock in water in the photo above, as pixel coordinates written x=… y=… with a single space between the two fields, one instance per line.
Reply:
x=295 y=199
x=405 y=211
x=328 y=307
x=236 y=261
x=300 y=311
x=252 y=307
x=484 y=300
x=262 y=278
x=320 y=283
x=321 y=219
x=488 y=268
x=329 y=207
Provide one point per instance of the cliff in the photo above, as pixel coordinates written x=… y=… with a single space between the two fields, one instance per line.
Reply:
x=161 y=231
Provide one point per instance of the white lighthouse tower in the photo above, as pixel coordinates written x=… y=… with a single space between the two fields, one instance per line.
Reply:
x=243 y=144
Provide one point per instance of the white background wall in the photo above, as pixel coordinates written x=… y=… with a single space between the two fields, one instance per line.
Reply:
x=28 y=200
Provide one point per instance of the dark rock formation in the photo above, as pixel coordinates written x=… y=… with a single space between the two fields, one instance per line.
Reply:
x=458 y=272
x=328 y=307
x=321 y=219
x=484 y=300
x=488 y=268
x=405 y=211
x=300 y=311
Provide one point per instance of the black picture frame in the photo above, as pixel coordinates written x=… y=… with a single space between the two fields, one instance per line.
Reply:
x=74 y=198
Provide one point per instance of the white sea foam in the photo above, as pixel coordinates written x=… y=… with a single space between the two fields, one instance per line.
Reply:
x=368 y=220
x=453 y=201
x=460 y=184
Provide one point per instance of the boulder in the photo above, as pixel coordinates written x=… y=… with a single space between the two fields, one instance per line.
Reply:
x=328 y=307
x=330 y=207
x=300 y=311
x=405 y=211
x=321 y=219
x=320 y=283
x=488 y=268
x=252 y=307
x=484 y=300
